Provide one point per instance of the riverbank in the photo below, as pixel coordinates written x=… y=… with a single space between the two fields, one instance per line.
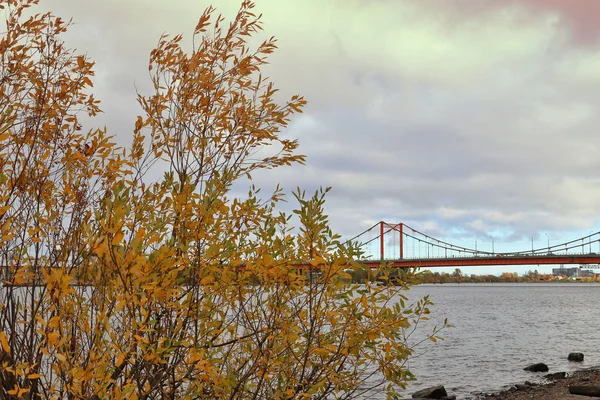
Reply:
x=554 y=390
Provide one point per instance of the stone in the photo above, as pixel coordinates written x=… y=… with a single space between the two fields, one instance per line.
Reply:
x=538 y=367
x=556 y=376
x=434 y=392
x=585 y=390
x=521 y=386
x=577 y=357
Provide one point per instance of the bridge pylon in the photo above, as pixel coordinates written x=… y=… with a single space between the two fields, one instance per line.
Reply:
x=390 y=228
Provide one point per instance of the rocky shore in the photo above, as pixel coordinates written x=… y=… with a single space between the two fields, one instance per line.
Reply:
x=581 y=384
x=556 y=389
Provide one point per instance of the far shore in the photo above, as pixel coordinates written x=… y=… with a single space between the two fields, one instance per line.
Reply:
x=566 y=281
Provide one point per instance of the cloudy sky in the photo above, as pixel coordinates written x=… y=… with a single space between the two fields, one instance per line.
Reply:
x=465 y=119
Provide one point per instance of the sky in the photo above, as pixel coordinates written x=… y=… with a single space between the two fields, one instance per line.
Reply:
x=468 y=120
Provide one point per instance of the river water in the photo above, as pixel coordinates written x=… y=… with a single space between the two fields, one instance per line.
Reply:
x=498 y=329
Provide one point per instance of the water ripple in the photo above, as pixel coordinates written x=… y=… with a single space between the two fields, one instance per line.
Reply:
x=501 y=328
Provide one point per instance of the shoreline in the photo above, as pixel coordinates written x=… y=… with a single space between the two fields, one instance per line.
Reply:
x=552 y=390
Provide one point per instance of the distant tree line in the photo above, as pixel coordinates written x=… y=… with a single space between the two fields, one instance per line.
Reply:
x=414 y=276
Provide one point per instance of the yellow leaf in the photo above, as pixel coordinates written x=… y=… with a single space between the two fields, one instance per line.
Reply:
x=52 y=338
x=8 y=236
x=102 y=249
x=120 y=359
x=4 y=209
x=141 y=339
x=34 y=376
x=77 y=156
x=4 y=342
x=207 y=280
x=140 y=234
x=117 y=239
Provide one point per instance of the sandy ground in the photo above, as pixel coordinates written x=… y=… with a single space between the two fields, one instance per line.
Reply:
x=557 y=390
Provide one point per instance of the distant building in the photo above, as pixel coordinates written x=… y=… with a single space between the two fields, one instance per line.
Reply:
x=565 y=271
x=573 y=272
x=586 y=273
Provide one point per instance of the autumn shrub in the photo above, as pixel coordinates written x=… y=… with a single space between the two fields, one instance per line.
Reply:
x=116 y=285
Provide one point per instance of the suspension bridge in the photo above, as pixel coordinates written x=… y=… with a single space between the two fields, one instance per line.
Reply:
x=401 y=246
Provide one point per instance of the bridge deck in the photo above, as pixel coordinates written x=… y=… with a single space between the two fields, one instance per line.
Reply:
x=490 y=261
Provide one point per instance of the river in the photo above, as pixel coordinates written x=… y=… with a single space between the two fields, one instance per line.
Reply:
x=498 y=329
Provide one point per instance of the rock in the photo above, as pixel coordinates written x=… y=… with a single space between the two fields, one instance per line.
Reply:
x=577 y=357
x=435 y=392
x=585 y=390
x=521 y=386
x=529 y=383
x=539 y=367
x=556 y=376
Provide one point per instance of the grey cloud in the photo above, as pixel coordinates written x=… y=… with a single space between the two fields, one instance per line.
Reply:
x=502 y=138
